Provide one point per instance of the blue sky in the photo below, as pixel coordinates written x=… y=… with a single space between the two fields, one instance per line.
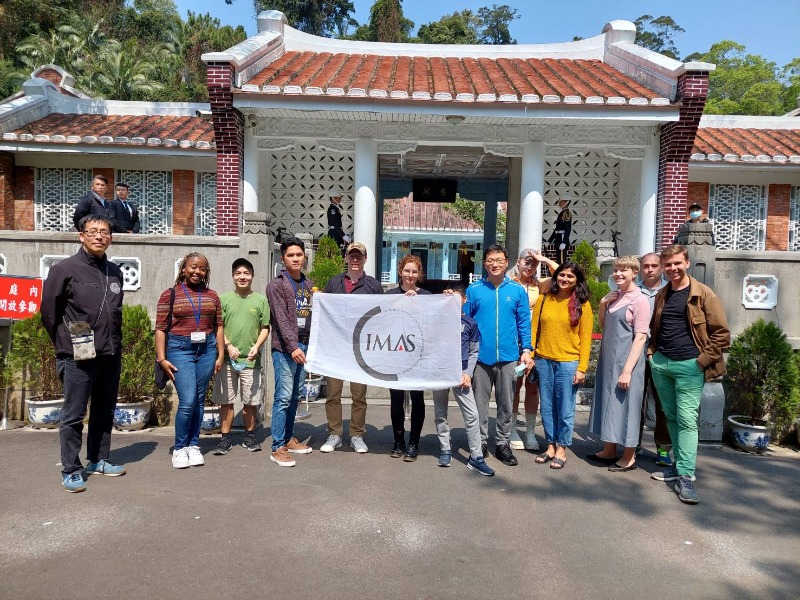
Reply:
x=769 y=29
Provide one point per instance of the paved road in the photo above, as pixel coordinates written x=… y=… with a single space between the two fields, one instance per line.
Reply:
x=368 y=526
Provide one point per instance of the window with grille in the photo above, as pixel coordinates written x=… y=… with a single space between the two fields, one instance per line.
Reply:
x=56 y=193
x=151 y=192
x=205 y=204
x=794 y=220
x=739 y=213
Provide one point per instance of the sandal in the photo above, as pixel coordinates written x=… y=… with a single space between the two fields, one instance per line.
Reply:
x=543 y=458
x=558 y=463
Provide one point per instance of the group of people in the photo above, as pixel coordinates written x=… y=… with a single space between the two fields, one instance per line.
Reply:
x=662 y=334
x=120 y=211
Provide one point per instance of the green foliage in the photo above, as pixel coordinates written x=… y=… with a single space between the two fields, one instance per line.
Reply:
x=327 y=18
x=32 y=359
x=387 y=23
x=658 y=34
x=764 y=377
x=458 y=28
x=597 y=289
x=138 y=355
x=585 y=256
x=493 y=24
x=328 y=262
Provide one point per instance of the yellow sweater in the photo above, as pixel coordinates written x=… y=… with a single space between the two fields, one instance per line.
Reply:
x=558 y=340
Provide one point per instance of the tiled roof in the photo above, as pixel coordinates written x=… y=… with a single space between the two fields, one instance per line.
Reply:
x=747 y=145
x=127 y=130
x=404 y=213
x=459 y=79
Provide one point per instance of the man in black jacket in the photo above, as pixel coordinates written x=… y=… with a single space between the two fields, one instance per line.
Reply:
x=80 y=292
x=93 y=203
x=354 y=281
x=127 y=219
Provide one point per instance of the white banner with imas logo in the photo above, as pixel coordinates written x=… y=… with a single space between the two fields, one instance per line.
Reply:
x=400 y=342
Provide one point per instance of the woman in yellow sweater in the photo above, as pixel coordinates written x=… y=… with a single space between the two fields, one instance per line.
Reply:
x=561 y=330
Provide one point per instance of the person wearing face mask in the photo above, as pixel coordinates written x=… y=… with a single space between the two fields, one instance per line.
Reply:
x=696 y=216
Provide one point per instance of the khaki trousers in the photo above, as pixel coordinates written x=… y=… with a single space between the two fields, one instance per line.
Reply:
x=358 y=410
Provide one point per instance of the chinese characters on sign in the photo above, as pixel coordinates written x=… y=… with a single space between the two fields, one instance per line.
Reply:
x=19 y=296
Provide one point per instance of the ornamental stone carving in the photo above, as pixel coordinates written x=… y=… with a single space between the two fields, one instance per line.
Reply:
x=495 y=133
x=625 y=152
x=366 y=130
x=537 y=134
x=396 y=147
x=508 y=150
x=565 y=151
x=407 y=131
x=337 y=145
x=255 y=223
x=573 y=134
x=276 y=143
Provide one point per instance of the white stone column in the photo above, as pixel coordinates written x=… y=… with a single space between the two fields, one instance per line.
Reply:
x=647 y=199
x=250 y=183
x=446 y=260
x=365 y=206
x=531 y=214
x=393 y=262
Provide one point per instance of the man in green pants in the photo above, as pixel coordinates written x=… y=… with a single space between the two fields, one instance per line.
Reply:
x=689 y=333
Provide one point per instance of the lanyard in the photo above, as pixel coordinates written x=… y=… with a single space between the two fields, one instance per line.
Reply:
x=199 y=310
x=298 y=303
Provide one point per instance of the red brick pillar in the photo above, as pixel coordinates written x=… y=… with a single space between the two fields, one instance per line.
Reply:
x=6 y=190
x=677 y=139
x=23 y=199
x=229 y=138
x=778 y=216
x=183 y=202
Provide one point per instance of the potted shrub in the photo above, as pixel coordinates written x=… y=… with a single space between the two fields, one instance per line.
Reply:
x=328 y=262
x=32 y=360
x=136 y=382
x=211 y=422
x=763 y=377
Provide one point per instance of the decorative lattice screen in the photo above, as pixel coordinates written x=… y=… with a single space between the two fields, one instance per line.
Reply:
x=205 y=204
x=794 y=220
x=591 y=183
x=739 y=214
x=435 y=261
x=56 y=196
x=299 y=182
x=151 y=192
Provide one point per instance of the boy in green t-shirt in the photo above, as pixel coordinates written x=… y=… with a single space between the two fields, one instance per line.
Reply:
x=245 y=319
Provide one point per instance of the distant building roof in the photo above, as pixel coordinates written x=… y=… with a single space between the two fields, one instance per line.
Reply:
x=748 y=139
x=403 y=214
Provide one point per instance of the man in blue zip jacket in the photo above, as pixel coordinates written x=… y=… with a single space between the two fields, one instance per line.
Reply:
x=500 y=307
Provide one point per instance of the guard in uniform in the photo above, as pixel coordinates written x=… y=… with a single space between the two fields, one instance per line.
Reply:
x=562 y=231
x=335 y=218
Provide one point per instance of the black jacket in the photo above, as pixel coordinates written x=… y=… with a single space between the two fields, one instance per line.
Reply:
x=126 y=221
x=75 y=289
x=88 y=204
x=365 y=285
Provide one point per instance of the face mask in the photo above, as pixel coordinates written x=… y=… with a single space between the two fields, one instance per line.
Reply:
x=696 y=214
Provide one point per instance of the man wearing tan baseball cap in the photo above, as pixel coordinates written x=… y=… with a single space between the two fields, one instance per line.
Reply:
x=353 y=281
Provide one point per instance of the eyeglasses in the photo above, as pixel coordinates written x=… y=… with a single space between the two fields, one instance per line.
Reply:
x=95 y=232
x=495 y=261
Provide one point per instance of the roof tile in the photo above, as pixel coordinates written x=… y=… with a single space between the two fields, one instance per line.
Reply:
x=747 y=145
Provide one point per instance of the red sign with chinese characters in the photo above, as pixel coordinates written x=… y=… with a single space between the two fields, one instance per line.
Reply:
x=20 y=297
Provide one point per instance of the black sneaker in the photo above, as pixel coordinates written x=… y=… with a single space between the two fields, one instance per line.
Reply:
x=504 y=455
x=223 y=446
x=484 y=449
x=412 y=452
x=398 y=450
x=250 y=442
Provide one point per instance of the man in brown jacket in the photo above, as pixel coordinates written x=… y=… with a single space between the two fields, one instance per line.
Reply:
x=689 y=333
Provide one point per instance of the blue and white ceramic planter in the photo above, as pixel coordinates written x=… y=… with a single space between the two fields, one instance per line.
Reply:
x=44 y=414
x=210 y=423
x=751 y=438
x=132 y=416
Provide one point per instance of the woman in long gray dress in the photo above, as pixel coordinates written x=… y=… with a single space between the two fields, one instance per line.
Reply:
x=616 y=411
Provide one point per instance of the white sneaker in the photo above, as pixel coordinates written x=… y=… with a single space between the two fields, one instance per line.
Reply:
x=180 y=459
x=195 y=456
x=332 y=443
x=357 y=444
x=516 y=441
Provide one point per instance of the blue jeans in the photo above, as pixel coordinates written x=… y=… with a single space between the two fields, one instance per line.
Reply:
x=289 y=378
x=195 y=364
x=557 y=399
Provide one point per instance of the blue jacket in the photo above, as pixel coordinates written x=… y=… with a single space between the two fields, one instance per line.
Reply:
x=504 y=319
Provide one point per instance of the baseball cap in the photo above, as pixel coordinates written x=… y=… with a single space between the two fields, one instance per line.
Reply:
x=695 y=205
x=357 y=246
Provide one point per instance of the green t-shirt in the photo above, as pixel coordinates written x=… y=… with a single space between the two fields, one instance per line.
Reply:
x=243 y=319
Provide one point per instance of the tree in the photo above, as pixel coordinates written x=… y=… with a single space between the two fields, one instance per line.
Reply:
x=658 y=34
x=122 y=73
x=387 y=23
x=493 y=23
x=742 y=84
x=318 y=17
x=458 y=28
x=473 y=210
